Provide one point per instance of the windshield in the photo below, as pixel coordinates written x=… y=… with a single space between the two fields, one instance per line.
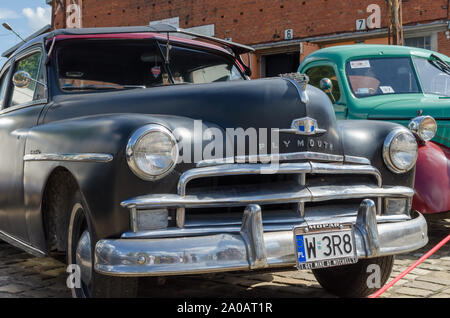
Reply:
x=433 y=79
x=380 y=76
x=111 y=65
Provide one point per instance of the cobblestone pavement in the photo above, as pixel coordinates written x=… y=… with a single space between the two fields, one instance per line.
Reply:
x=22 y=275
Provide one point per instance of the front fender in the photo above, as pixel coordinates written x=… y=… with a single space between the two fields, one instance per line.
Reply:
x=103 y=184
x=432 y=185
x=365 y=138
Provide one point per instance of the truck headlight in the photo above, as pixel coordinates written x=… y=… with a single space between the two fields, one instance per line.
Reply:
x=400 y=151
x=424 y=127
x=152 y=152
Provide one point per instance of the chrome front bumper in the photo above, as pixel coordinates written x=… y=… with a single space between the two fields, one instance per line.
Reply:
x=249 y=248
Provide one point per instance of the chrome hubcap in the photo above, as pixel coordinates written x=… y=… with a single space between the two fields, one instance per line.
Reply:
x=83 y=257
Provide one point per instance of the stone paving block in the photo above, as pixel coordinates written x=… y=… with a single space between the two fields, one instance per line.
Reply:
x=291 y=281
x=413 y=292
x=432 y=261
x=424 y=285
x=432 y=279
x=13 y=288
x=432 y=267
x=306 y=275
x=419 y=271
x=441 y=295
x=8 y=295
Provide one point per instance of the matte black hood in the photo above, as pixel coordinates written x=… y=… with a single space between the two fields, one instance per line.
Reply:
x=265 y=103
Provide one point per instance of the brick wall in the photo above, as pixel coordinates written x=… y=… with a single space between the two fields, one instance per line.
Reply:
x=251 y=21
x=443 y=43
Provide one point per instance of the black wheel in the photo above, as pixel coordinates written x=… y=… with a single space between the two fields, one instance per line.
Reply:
x=352 y=280
x=80 y=251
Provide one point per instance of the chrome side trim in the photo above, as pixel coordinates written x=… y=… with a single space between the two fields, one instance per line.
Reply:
x=276 y=157
x=21 y=244
x=76 y=157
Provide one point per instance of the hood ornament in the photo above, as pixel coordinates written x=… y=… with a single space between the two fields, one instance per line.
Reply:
x=304 y=126
x=300 y=81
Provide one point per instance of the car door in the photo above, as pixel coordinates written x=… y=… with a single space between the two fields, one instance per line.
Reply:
x=316 y=72
x=20 y=110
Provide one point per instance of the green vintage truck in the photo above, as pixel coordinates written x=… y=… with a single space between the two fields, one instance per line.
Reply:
x=399 y=84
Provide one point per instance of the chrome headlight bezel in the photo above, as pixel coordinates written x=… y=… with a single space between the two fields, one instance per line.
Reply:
x=134 y=140
x=387 y=157
x=417 y=126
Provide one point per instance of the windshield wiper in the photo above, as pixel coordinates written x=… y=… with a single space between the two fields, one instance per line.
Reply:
x=439 y=63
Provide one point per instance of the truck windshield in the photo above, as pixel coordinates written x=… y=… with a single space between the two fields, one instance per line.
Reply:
x=118 y=64
x=433 y=78
x=380 y=76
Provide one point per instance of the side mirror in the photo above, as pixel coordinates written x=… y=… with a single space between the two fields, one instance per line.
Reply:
x=327 y=86
x=22 y=79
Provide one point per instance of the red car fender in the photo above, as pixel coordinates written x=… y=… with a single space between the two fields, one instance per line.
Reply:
x=432 y=183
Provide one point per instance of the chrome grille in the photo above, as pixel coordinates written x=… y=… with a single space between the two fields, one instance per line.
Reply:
x=315 y=180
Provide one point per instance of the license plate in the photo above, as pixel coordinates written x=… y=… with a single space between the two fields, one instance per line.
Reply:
x=324 y=245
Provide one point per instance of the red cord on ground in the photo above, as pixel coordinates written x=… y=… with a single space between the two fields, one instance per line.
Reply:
x=406 y=271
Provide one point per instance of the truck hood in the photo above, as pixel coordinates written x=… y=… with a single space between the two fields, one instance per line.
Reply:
x=407 y=106
x=265 y=103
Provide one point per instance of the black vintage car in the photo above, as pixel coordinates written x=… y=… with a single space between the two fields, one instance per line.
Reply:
x=137 y=152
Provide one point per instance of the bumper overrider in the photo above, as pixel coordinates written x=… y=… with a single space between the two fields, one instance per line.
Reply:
x=253 y=245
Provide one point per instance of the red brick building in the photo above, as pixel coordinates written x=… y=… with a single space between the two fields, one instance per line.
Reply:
x=282 y=32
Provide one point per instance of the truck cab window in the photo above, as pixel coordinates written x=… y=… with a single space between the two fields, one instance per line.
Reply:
x=316 y=73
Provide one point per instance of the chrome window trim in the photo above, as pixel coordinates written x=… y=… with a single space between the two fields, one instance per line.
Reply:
x=75 y=157
x=32 y=49
x=25 y=105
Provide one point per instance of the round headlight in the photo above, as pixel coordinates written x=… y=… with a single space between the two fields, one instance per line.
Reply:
x=152 y=152
x=424 y=127
x=400 y=151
